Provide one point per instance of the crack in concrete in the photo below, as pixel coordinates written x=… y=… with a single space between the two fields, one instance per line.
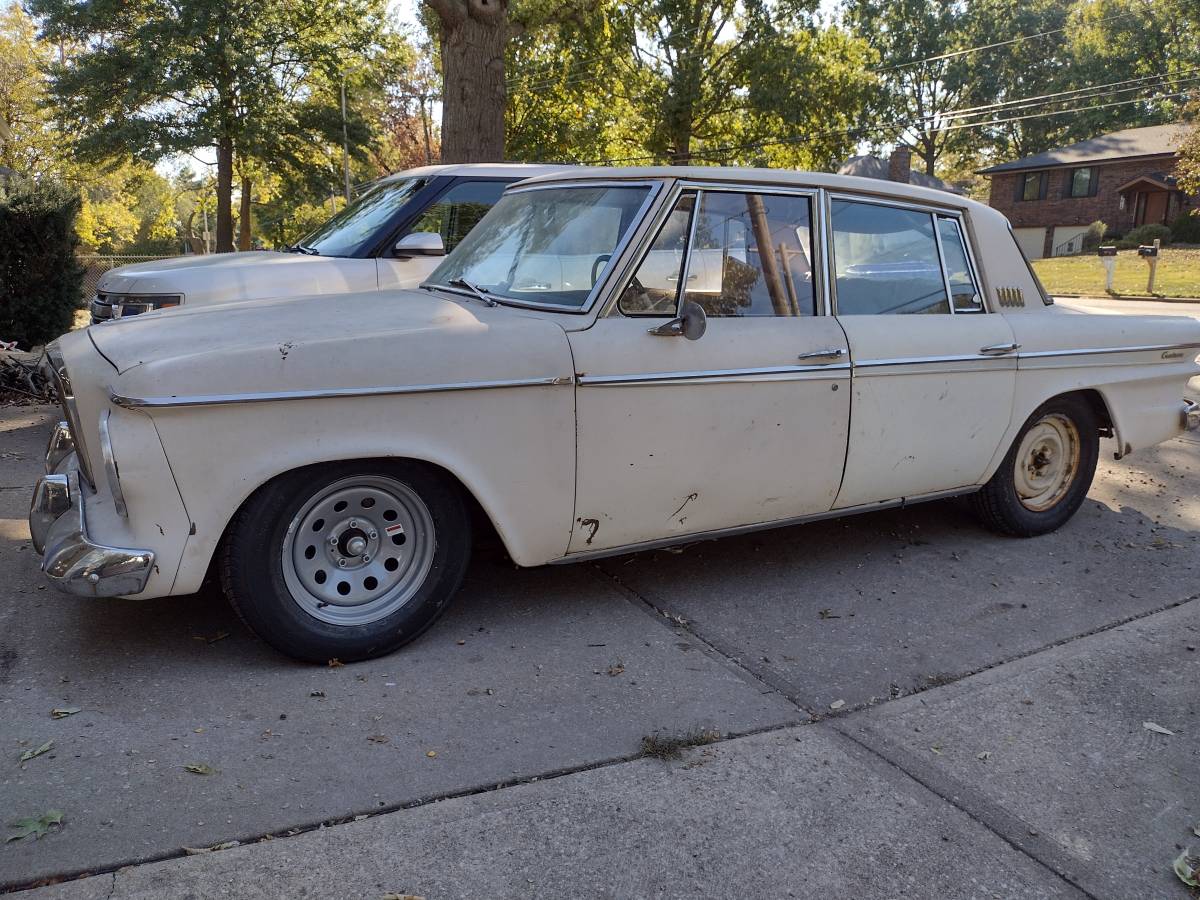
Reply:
x=763 y=676
x=990 y=815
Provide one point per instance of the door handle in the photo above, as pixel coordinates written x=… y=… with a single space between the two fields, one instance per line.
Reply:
x=830 y=354
x=999 y=349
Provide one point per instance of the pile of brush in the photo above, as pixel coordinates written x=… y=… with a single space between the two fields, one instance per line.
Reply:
x=23 y=379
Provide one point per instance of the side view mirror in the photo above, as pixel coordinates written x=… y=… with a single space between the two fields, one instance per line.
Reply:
x=691 y=323
x=420 y=243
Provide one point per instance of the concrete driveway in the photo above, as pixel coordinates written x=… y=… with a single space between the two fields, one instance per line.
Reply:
x=906 y=705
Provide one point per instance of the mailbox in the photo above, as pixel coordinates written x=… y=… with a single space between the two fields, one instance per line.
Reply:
x=1106 y=251
x=1148 y=250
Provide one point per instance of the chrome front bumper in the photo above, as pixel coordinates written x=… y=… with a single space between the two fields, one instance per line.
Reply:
x=1191 y=415
x=72 y=561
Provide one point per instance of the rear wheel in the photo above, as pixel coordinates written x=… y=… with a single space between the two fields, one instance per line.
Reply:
x=1047 y=472
x=348 y=560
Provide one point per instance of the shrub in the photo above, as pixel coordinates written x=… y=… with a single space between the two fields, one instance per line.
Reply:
x=1146 y=234
x=1094 y=235
x=1186 y=229
x=40 y=280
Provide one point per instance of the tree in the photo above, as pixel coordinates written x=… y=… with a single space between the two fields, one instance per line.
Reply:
x=29 y=142
x=163 y=77
x=922 y=81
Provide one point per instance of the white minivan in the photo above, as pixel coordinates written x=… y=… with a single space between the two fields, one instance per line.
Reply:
x=392 y=236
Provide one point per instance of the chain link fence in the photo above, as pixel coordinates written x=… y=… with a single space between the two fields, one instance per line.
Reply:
x=95 y=266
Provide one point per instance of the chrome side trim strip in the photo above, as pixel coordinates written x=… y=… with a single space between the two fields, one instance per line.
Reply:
x=328 y=393
x=1037 y=354
x=716 y=534
x=709 y=376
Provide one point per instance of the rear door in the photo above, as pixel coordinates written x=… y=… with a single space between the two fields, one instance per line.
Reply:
x=934 y=370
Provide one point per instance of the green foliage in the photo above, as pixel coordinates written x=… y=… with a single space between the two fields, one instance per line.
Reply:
x=40 y=279
x=1145 y=234
x=1094 y=235
x=1186 y=229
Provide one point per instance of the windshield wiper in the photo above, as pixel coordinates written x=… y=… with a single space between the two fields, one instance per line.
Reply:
x=474 y=289
x=300 y=248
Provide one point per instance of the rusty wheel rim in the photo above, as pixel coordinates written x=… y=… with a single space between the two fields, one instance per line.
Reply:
x=1046 y=463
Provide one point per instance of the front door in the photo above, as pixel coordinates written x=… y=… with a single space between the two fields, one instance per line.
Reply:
x=743 y=426
x=934 y=371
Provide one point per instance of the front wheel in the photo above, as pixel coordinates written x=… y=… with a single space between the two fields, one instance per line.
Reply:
x=347 y=561
x=1047 y=472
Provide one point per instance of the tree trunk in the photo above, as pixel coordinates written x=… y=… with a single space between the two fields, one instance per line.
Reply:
x=474 y=34
x=244 y=233
x=224 y=195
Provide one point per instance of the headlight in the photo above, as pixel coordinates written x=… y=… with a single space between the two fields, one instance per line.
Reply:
x=66 y=396
x=125 y=305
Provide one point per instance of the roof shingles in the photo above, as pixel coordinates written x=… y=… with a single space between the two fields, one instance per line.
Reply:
x=1153 y=140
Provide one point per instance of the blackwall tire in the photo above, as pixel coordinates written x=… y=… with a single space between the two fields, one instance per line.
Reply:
x=347 y=561
x=1047 y=472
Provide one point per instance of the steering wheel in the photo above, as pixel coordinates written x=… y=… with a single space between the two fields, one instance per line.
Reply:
x=600 y=261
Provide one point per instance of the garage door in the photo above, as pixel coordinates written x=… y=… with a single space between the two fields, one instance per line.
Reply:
x=1031 y=241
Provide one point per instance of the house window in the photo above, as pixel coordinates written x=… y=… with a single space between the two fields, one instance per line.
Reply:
x=1081 y=183
x=1031 y=186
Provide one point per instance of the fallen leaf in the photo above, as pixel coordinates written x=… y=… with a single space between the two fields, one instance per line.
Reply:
x=937 y=748
x=320 y=695
x=616 y=670
x=224 y=845
x=827 y=614
x=432 y=754
x=200 y=769
x=1156 y=728
x=36 y=827
x=1187 y=867
x=378 y=738
x=837 y=704
x=61 y=712
x=37 y=751
x=336 y=663
x=984 y=756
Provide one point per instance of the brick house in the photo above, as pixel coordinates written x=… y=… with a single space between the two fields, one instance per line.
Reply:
x=1123 y=179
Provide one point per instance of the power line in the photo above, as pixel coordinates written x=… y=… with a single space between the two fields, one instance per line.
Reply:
x=862 y=131
x=1017 y=40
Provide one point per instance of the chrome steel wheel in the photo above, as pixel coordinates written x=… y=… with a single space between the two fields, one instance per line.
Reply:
x=358 y=550
x=1046 y=462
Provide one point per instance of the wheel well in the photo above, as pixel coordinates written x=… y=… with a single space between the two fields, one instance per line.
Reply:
x=1099 y=407
x=484 y=529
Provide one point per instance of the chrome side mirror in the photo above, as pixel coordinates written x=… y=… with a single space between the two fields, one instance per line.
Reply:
x=691 y=323
x=420 y=243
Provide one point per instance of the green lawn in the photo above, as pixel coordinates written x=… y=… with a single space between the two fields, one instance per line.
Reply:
x=1178 y=274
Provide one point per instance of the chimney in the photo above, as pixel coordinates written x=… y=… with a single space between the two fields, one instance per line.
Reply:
x=900 y=164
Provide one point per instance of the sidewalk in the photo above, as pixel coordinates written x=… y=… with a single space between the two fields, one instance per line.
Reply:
x=1036 y=778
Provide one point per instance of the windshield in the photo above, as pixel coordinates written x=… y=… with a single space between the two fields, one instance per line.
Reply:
x=545 y=246
x=356 y=228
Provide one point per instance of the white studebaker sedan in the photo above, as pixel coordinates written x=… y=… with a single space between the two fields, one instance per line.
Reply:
x=610 y=361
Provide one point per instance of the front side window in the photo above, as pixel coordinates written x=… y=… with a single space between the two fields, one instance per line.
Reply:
x=459 y=210
x=357 y=227
x=1081 y=182
x=548 y=246
x=1031 y=186
x=749 y=255
x=963 y=290
x=885 y=261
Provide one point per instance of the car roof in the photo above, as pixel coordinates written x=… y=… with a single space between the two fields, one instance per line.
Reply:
x=477 y=170
x=745 y=175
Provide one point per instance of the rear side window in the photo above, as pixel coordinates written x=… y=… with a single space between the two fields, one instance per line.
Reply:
x=457 y=211
x=963 y=290
x=886 y=261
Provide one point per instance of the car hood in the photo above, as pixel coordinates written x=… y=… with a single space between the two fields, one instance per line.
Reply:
x=225 y=277
x=343 y=342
